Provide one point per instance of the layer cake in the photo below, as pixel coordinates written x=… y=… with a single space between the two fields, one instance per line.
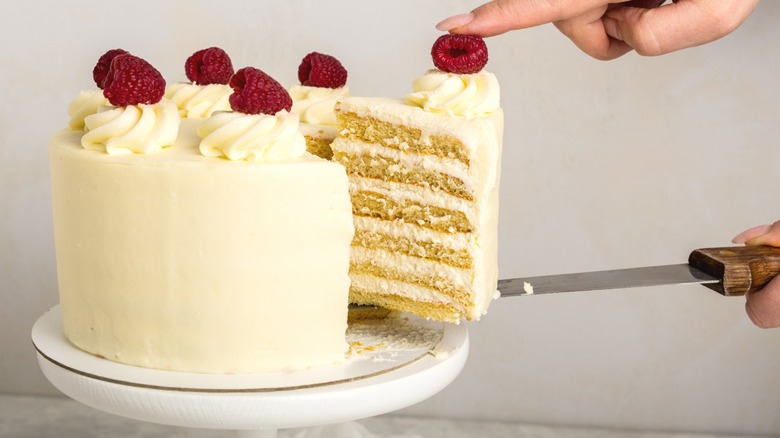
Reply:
x=424 y=177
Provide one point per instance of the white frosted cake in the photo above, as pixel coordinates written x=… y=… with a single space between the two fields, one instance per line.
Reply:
x=180 y=246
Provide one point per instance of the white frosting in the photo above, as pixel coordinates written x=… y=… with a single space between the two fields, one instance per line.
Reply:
x=179 y=261
x=315 y=105
x=141 y=129
x=458 y=94
x=251 y=137
x=199 y=101
x=85 y=104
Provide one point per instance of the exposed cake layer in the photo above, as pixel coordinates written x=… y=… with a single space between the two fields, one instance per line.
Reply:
x=174 y=260
x=373 y=161
x=400 y=296
x=318 y=139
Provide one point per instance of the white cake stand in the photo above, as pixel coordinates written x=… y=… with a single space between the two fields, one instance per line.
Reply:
x=389 y=368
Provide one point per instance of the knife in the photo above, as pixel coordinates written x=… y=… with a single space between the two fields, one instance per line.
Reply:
x=727 y=270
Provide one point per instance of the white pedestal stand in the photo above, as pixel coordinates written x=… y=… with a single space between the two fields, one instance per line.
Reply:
x=395 y=372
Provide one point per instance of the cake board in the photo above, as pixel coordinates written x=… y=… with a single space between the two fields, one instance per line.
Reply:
x=391 y=365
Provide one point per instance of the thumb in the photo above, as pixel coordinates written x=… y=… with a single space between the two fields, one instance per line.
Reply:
x=763 y=306
x=499 y=16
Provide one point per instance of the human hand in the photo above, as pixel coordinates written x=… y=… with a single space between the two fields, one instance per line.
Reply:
x=763 y=306
x=607 y=29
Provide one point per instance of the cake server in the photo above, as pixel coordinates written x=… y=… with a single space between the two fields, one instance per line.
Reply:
x=728 y=270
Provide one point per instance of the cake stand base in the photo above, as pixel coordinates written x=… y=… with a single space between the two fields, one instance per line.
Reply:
x=259 y=405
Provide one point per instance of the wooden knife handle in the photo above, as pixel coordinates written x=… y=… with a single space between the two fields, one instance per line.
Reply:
x=741 y=269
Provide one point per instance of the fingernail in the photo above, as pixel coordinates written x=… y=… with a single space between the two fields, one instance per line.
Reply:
x=611 y=28
x=455 y=21
x=739 y=239
x=752 y=233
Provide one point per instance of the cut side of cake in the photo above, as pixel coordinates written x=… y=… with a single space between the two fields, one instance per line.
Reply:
x=424 y=189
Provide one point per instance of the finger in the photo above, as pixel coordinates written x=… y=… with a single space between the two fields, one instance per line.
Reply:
x=771 y=237
x=588 y=32
x=763 y=306
x=682 y=24
x=499 y=16
x=751 y=233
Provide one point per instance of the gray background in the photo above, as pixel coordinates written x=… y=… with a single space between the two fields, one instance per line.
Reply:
x=606 y=165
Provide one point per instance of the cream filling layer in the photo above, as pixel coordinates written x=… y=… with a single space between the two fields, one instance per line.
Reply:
x=385 y=286
x=442 y=275
x=456 y=241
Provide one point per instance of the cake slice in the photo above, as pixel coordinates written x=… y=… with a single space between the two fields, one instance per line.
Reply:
x=424 y=179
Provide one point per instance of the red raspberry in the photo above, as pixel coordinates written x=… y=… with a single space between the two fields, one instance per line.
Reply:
x=133 y=81
x=209 y=66
x=318 y=70
x=255 y=92
x=462 y=54
x=104 y=63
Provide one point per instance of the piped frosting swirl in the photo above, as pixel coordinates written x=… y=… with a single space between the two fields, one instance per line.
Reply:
x=138 y=129
x=314 y=105
x=251 y=137
x=199 y=101
x=85 y=104
x=459 y=94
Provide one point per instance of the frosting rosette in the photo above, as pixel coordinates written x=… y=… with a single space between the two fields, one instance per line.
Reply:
x=85 y=104
x=459 y=94
x=199 y=101
x=251 y=137
x=315 y=105
x=140 y=129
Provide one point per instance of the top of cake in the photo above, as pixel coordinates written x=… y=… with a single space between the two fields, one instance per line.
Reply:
x=243 y=115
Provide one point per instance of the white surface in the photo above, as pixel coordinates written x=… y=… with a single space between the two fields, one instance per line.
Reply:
x=57 y=417
x=379 y=384
x=606 y=165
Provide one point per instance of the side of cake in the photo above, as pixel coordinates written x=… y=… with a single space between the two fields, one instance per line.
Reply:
x=424 y=177
x=195 y=250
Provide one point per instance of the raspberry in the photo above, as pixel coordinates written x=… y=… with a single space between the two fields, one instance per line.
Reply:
x=462 y=54
x=104 y=63
x=133 y=81
x=318 y=70
x=209 y=66
x=255 y=92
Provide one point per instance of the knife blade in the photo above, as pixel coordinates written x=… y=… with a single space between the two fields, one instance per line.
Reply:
x=728 y=270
